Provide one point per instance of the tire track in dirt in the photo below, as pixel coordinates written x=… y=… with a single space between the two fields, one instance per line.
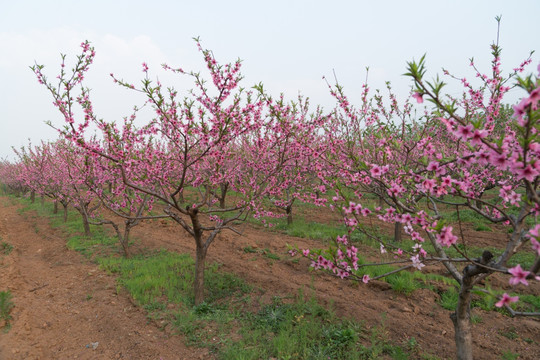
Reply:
x=65 y=307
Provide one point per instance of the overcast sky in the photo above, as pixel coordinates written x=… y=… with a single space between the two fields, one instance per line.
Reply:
x=288 y=45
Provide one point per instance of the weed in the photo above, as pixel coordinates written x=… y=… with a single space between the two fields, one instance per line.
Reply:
x=482 y=227
x=267 y=253
x=155 y=306
x=412 y=344
x=249 y=250
x=449 y=299
x=403 y=282
x=476 y=319
x=6 y=305
x=5 y=248
x=508 y=355
x=510 y=333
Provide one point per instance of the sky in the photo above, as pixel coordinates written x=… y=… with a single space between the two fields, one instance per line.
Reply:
x=287 y=45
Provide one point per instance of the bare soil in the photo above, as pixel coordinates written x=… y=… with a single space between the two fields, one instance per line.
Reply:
x=64 y=304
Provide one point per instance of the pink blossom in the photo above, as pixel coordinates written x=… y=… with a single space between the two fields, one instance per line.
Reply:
x=342 y=239
x=536 y=246
x=342 y=273
x=506 y=300
x=375 y=171
x=305 y=252
x=433 y=166
x=445 y=237
x=519 y=109
x=534 y=98
x=465 y=132
x=518 y=275
x=428 y=185
x=416 y=262
x=383 y=249
x=366 y=212
x=366 y=279
x=527 y=172
x=477 y=136
x=419 y=97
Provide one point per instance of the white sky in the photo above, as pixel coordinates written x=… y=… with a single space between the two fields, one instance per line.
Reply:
x=288 y=45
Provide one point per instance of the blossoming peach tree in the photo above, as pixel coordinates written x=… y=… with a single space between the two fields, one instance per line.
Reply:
x=448 y=158
x=212 y=136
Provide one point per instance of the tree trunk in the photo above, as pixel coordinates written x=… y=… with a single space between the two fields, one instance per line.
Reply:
x=124 y=240
x=200 y=256
x=32 y=196
x=289 y=215
x=65 y=211
x=86 y=225
x=224 y=187
x=181 y=196
x=84 y=216
x=55 y=210
x=462 y=316
x=462 y=323
x=42 y=200
x=198 y=283
x=397 y=232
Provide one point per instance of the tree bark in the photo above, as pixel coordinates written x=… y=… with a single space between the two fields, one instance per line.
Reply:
x=397 y=232
x=462 y=323
x=55 y=210
x=84 y=216
x=198 y=284
x=124 y=240
x=86 y=225
x=200 y=256
x=289 y=215
x=223 y=187
x=462 y=316
x=32 y=196
x=181 y=196
x=65 y=211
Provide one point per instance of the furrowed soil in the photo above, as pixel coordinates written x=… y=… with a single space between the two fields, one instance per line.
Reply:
x=67 y=308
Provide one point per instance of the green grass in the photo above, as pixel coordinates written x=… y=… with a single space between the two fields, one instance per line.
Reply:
x=6 y=305
x=152 y=278
x=482 y=227
x=308 y=229
x=508 y=355
x=98 y=244
x=303 y=329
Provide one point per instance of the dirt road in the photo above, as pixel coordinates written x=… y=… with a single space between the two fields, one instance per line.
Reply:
x=65 y=307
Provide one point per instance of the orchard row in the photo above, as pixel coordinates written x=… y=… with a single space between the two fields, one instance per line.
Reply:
x=242 y=153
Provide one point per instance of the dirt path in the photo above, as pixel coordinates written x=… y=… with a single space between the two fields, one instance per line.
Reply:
x=66 y=308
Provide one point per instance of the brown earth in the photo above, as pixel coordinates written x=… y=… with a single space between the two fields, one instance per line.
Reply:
x=55 y=319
